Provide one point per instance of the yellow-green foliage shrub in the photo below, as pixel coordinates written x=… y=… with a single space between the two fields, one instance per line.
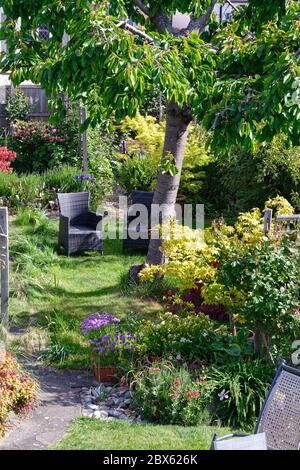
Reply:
x=150 y=134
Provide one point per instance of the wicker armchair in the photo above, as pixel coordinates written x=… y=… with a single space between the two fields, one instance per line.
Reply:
x=279 y=418
x=137 y=238
x=79 y=228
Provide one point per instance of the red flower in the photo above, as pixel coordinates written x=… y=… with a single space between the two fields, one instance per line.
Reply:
x=6 y=156
x=170 y=293
x=192 y=394
x=177 y=382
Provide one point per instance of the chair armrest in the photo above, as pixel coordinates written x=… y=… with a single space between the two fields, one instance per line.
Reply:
x=64 y=224
x=94 y=219
x=227 y=436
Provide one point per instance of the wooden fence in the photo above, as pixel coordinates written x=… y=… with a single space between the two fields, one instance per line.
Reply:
x=283 y=223
x=38 y=101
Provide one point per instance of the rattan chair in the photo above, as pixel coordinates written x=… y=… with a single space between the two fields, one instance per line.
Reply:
x=79 y=228
x=279 y=418
x=137 y=237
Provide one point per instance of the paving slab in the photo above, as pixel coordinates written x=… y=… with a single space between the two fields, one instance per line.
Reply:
x=58 y=404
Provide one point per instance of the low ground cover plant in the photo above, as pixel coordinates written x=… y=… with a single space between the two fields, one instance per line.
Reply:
x=36 y=190
x=17 y=390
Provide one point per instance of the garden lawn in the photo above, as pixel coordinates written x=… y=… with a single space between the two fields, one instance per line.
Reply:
x=92 y=434
x=53 y=293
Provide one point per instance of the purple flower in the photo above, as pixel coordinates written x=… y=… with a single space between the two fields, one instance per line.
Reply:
x=96 y=321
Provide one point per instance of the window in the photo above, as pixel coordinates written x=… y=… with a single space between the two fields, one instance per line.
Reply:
x=43 y=32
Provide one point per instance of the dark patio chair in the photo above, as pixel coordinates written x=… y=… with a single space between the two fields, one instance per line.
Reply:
x=79 y=228
x=137 y=237
x=279 y=418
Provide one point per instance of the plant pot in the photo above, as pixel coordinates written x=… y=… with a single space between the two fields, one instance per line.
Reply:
x=105 y=373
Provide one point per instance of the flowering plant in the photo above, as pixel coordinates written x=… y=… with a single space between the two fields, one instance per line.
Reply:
x=17 y=390
x=6 y=157
x=106 y=338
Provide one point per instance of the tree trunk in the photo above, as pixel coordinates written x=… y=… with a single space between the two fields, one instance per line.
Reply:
x=178 y=120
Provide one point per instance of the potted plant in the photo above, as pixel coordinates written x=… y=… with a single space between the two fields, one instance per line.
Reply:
x=110 y=345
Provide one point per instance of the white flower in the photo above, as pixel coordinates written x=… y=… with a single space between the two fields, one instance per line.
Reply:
x=223 y=395
x=178 y=357
x=170 y=357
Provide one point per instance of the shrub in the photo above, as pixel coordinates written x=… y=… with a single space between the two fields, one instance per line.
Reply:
x=40 y=146
x=240 y=180
x=17 y=391
x=137 y=173
x=232 y=394
x=100 y=159
x=168 y=395
x=6 y=157
x=192 y=337
x=266 y=295
x=147 y=136
x=18 y=107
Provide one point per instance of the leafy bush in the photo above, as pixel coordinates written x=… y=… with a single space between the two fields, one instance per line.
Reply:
x=40 y=146
x=241 y=180
x=36 y=190
x=192 y=337
x=147 y=136
x=232 y=394
x=17 y=391
x=137 y=173
x=100 y=158
x=238 y=392
x=266 y=296
x=18 y=107
x=6 y=158
x=168 y=395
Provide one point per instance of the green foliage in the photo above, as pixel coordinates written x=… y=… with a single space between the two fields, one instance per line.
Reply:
x=18 y=107
x=192 y=337
x=268 y=273
x=29 y=216
x=36 y=190
x=100 y=158
x=266 y=296
x=18 y=391
x=145 y=136
x=167 y=395
x=246 y=92
x=138 y=172
x=238 y=392
x=40 y=146
x=240 y=180
x=232 y=394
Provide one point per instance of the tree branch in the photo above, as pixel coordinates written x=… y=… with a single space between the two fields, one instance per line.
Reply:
x=141 y=6
x=232 y=5
x=124 y=24
x=199 y=24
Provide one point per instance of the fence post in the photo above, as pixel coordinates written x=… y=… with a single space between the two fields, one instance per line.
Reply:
x=4 y=260
x=268 y=220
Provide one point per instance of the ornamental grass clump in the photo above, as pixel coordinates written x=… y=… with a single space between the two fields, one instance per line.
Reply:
x=108 y=342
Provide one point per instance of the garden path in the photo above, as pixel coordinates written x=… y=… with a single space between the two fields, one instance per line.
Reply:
x=58 y=404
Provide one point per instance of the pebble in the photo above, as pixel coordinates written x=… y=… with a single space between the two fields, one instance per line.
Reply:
x=109 y=403
x=101 y=414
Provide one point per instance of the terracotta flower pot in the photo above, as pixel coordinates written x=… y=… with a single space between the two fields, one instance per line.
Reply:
x=105 y=373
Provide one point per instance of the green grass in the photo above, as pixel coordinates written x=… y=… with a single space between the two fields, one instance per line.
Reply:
x=54 y=292
x=91 y=434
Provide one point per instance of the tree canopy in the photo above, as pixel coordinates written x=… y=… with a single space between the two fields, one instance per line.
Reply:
x=241 y=78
